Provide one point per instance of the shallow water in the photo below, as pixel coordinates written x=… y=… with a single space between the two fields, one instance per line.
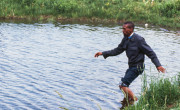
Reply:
x=38 y=61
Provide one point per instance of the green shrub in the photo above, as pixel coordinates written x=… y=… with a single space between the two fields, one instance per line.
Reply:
x=161 y=12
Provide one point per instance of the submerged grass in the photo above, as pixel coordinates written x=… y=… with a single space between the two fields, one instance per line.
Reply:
x=159 y=12
x=162 y=94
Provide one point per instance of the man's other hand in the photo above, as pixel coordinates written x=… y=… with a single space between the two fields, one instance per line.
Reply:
x=97 y=54
x=160 y=68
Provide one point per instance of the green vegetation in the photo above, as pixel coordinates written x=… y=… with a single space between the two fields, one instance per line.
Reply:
x=162 y=94
x=160 y=12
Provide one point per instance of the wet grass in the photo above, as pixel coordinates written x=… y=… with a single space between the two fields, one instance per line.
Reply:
x=160 y=94
x=159 y=12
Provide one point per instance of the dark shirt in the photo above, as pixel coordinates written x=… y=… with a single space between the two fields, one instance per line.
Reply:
x=135 y=47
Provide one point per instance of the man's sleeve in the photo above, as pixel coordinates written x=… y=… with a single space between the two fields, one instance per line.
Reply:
x=146 y=49
x=114 y=52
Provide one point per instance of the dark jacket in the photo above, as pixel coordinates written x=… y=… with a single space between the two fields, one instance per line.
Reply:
x=135 y=48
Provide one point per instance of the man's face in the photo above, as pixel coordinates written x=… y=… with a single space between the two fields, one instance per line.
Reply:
x=126 y=30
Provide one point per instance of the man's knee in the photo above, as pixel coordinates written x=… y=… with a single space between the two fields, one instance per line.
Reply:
x=121 y=85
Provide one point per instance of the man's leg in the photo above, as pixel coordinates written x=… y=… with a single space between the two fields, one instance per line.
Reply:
x=128 y=93
x=130 y=75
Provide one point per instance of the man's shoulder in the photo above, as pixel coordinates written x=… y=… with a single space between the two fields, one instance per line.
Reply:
x=138 y=37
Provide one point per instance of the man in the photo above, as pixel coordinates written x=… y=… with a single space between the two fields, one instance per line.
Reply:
x=135 y=47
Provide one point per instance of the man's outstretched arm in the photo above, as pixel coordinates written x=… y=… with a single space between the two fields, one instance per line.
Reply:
x=116 y=51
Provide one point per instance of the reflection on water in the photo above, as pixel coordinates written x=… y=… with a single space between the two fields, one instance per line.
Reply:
x=39 y=60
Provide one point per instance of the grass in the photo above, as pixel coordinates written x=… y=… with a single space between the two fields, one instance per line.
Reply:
x=160 y=12
x=162 y=94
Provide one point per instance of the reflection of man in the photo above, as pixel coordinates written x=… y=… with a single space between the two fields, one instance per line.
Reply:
x=135 y=47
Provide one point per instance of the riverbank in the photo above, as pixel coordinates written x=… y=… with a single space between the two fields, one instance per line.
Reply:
x=160 y=94
x=158 y=13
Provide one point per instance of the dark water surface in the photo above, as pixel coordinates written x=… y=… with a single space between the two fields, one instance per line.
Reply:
x=39 y=60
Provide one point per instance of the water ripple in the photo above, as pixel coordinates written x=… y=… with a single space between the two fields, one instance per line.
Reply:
x=39 y=60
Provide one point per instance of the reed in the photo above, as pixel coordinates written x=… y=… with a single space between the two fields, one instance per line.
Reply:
x=159 y=12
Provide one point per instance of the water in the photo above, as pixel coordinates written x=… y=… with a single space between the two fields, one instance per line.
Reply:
x=38 y=61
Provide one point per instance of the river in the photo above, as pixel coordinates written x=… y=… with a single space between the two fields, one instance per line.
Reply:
x=44 y=66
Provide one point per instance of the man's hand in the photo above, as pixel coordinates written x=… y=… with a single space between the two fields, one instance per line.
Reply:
x=160 y=68
x=97 y=54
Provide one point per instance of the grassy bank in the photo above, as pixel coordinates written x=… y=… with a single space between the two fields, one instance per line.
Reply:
x=159 y=12
x=162 y=94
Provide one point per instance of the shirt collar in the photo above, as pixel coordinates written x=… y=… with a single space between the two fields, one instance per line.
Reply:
x=131 y=35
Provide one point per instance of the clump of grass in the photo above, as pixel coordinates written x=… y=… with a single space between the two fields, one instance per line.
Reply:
x=161 y=94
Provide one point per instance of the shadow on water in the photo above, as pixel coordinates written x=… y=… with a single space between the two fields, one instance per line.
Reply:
x=86 y=22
